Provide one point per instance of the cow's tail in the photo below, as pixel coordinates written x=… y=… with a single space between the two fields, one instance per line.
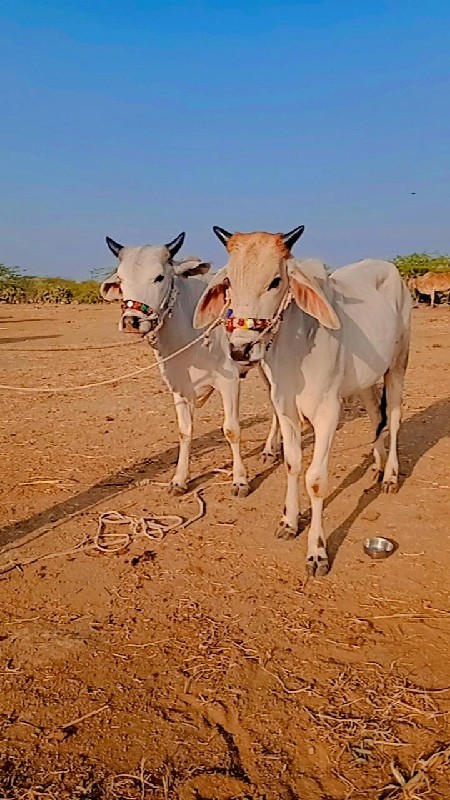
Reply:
x=383 y=411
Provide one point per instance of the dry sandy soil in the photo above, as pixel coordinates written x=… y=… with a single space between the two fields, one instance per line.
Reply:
x=203 y=665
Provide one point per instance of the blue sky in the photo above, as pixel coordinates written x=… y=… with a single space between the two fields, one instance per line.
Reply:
x=142 y=119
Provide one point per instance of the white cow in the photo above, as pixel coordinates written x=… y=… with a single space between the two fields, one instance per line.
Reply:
x=159 y=297
x=320 y=339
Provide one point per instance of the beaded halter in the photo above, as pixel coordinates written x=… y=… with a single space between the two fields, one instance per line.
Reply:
x=247 y=324
x=262 y=326
x=135 y=305
x=161 y=313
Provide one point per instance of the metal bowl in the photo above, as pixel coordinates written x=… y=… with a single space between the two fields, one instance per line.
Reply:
x=378 y=547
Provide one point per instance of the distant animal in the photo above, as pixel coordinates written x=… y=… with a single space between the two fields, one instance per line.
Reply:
x=319 y=339
x=430 y=284
x=159 y=296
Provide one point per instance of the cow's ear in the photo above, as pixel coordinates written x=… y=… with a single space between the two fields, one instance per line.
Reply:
x=212 y=301
x=310 y=298
x=111 y=288
x=191 y=267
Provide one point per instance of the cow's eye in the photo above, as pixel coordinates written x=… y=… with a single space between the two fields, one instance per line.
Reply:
x=159 y=278
x=276 y=282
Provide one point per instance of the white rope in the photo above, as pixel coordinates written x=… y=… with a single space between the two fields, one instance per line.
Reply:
x=72 y=349
x=109 y=381
x=155 y=527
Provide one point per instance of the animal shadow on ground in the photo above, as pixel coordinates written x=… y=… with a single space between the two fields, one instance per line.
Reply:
x=12 y=321
x=418 y=434
x=112 y=485
x=27 y=339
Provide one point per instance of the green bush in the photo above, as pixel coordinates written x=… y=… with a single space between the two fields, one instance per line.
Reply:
x=420 y=263
x=16 y=288
x=12 y=293
x=87 y=292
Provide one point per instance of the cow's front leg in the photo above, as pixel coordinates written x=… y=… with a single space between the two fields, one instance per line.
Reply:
x=185 y=412
x=292 y=451
x=325 y=423
x=231 y=428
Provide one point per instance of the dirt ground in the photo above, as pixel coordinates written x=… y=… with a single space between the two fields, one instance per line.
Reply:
x=203 y=665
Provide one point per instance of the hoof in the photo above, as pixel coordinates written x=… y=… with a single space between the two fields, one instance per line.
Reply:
x=177 y=489
x=270 y=457
x=317 y=566
x=285 y=531
x=240 y=489
x=377 y=475
x=390 y=487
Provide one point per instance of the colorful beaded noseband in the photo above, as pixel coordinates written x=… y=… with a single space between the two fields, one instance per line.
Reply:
x=245 y=323
x=136 y=306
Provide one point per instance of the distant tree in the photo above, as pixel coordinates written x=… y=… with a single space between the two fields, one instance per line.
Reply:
x=100 y=273
x=9 y=273
x=419 y=263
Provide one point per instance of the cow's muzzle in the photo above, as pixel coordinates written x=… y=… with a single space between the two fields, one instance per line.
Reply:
x=242 y=352
x=247 y=354
x=133 y=323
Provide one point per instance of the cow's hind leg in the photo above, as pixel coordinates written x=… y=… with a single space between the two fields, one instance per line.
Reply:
x=272 y=447
x=231 y=428
x=185 y=412
x=376 y=411
x=393 y=381
x=324 y=423
x=394 y=390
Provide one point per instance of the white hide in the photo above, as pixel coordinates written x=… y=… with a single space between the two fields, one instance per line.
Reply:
x=312 y=368
x=193 y=374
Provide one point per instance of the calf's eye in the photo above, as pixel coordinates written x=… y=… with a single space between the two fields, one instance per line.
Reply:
x=276 y=282
x=159 y=278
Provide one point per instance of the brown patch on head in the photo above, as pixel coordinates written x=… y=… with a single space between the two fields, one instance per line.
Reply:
x=321 y=542
x=255 y=243
x=259 y=254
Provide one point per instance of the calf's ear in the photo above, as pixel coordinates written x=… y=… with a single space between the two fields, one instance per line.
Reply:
x=309 y=297
x=111 y=288
x=191 y=267
x=212 y=301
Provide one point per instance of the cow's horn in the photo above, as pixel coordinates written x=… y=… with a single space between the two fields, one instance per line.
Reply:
x=115 y=247
x=176 y=244
x=290 y=238
x=222 y=234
